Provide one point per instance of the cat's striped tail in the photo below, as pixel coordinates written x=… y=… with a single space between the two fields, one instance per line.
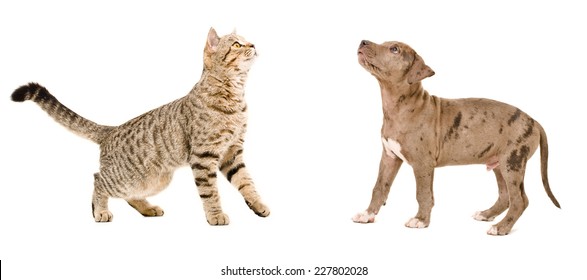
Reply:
x=60 y=113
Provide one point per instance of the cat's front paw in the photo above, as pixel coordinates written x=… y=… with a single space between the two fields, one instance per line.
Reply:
x=219 y=219
x=103 y=216
x=260 y=209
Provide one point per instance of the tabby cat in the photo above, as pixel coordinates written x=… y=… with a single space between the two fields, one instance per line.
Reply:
x=204 y=129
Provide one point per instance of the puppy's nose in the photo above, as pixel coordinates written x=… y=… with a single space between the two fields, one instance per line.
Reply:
x=364 y=43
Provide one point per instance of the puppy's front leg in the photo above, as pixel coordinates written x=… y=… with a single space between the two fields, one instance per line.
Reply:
x=388 y=168
x=424 y=195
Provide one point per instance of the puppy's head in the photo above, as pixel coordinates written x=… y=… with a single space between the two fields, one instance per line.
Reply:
x=394 y=62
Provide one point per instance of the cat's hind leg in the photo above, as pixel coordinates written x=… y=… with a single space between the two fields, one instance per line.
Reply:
x=151 y=185
x=100 y=200
x=145 y=208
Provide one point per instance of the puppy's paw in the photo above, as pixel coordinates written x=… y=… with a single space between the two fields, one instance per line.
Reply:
x=495 y=231
x=364 y=217
x=219 y=219
x=416 y=223
x=480 y=217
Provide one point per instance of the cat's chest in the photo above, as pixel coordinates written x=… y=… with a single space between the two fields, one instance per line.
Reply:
x=233 y=121
x=222 y=128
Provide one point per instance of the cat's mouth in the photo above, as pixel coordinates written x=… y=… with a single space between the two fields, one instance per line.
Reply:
x=250 y=57
x=251 y=53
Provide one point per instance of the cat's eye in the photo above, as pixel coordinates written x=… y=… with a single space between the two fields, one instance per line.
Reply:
x=394 y=49
x=237 y=45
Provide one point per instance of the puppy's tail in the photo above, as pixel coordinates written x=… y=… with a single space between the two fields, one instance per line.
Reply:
x=544 y=166
x=60 y=113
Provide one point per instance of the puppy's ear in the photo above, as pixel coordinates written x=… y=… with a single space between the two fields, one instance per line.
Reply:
x=419 y=70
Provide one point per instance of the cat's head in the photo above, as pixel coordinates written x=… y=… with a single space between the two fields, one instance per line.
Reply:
x=230 y=52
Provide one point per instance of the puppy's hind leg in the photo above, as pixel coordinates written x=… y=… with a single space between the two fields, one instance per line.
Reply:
x=500 y=205
x=518 y=202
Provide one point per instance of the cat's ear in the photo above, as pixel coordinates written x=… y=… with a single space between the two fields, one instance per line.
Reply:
x=213 y=39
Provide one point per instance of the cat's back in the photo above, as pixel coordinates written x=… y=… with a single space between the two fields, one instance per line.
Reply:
x=155 y=136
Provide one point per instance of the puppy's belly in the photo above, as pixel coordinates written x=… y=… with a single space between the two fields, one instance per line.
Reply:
x=393 y=149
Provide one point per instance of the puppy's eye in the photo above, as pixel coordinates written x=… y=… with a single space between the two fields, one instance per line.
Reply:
x=237 y=45
x=394 y=49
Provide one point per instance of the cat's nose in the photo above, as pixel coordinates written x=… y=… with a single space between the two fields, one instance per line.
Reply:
x=252 y=46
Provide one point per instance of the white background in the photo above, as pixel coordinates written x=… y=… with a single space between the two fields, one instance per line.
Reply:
x=313 y=144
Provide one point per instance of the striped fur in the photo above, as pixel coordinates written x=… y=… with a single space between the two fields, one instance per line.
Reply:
x=204 y=130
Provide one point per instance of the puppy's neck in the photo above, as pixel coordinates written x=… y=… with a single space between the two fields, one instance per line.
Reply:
x=393 y=95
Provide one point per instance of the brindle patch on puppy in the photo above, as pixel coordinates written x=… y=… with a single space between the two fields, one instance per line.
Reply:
x=426 y=132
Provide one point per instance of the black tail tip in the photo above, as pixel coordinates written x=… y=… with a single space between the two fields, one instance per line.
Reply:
x=26 y=92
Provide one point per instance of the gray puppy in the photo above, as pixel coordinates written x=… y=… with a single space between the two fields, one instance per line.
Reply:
x=426 y=132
